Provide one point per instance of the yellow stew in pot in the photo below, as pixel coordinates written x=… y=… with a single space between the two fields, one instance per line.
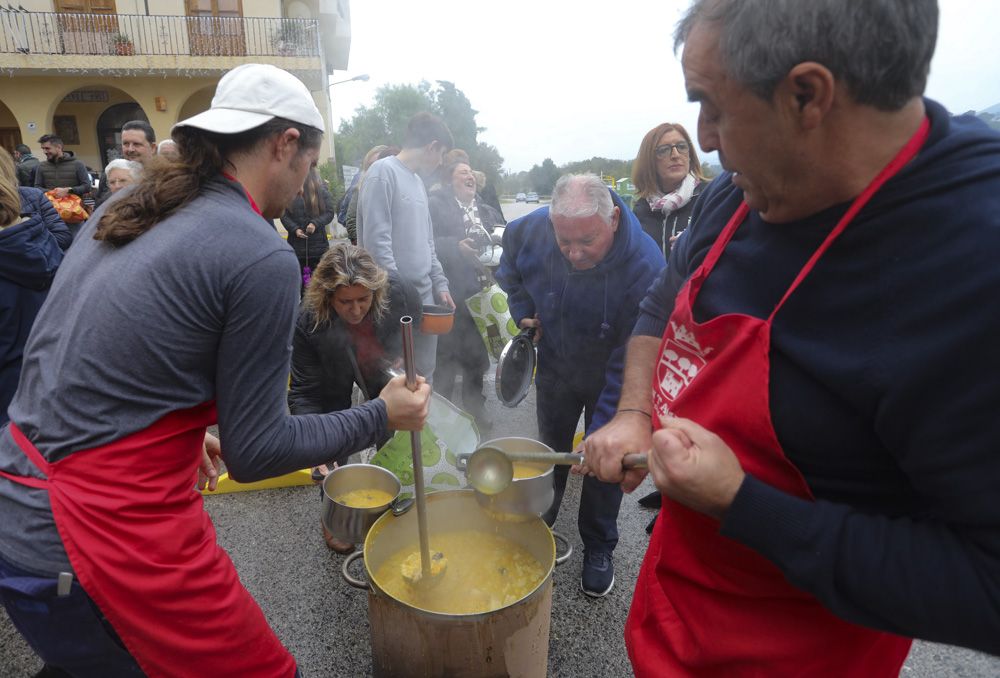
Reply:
x=485 y=572
x=364 y=498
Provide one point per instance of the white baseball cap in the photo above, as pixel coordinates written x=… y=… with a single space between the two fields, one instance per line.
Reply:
x=252 y=94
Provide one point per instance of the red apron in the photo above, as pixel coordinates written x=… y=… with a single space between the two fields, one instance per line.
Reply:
x=704 y=604
x=144 y=549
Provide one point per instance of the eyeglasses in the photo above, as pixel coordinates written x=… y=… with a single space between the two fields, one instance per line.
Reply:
x=666 y=149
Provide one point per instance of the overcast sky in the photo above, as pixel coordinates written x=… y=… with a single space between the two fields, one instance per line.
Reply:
x=589 y=78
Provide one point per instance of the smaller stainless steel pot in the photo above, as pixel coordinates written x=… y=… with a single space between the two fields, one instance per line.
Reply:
x=346 y=523
x=527 y=497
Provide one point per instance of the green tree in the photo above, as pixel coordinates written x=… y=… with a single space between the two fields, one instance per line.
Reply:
x=599 y=166
x=544 y=177
x=711 y=171
x=384 y=122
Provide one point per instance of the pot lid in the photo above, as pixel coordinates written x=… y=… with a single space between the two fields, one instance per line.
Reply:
x=516 y=368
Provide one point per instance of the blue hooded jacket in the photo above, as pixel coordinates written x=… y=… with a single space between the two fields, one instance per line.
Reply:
x=30 y=253
x=586 y=316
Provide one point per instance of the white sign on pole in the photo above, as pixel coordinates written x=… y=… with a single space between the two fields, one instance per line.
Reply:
x=349 y=172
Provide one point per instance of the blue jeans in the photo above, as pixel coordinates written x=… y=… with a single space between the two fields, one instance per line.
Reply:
x=558 y=407
x=69 y=633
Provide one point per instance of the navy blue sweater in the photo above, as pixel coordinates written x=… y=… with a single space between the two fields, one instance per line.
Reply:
x=883 y=388
x=587 y=316
x=30 y=254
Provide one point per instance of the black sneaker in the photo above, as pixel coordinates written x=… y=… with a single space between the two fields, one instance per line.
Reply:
x=598 y=574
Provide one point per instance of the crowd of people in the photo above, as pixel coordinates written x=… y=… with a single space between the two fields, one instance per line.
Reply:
x=794 y=345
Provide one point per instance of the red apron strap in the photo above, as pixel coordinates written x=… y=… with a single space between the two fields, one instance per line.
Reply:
x=34 y=455
x=905 y=155
x=253 y=203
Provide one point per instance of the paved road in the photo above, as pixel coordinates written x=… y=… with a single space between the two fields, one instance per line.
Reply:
x=513 y=210
x=273 y=538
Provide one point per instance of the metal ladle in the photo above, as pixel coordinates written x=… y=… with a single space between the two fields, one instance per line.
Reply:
x=490 y=470
x=432 y=566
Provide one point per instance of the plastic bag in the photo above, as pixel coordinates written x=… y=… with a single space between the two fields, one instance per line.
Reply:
x=69 y=207
x=492 y=317
x=448 y=432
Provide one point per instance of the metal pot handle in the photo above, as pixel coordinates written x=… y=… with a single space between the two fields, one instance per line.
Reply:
x=353 y=581
x=559 y=559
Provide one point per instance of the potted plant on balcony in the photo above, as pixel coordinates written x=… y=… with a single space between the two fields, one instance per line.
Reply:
x=122 y=44
x=289 y=39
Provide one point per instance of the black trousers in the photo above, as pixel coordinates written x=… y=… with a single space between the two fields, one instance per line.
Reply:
x=462 y=352
x=558 y=407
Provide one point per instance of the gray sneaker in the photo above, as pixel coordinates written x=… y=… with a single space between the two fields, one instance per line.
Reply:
x=598 y=573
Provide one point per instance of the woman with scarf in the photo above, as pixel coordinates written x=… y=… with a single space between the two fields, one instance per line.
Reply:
x=463 y=227
x=667 y=178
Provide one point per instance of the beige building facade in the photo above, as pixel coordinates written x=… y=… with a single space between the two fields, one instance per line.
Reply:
x=82 y=68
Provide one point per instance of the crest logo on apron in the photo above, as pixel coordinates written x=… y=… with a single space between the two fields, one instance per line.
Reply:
x=681 y=359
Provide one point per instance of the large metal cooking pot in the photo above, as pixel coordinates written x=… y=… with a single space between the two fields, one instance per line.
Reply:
x=409 y=641
x=527 y=497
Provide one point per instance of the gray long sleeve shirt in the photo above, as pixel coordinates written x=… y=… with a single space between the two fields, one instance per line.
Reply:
x=394 y=224
x=200 y=307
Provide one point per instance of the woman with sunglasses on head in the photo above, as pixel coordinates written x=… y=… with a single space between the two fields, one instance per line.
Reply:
x=667 y=177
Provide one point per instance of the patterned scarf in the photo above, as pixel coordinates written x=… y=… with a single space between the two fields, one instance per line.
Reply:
x=671 y=202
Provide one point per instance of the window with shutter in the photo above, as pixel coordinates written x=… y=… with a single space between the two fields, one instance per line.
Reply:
x=88 y=26
x=215 y=27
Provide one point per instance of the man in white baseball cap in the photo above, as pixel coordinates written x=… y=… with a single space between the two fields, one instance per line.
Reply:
x=201 y=295
x=252 y=94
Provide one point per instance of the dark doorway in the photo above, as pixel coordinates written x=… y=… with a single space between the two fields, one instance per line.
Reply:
x=9 y=138
x=109 y=130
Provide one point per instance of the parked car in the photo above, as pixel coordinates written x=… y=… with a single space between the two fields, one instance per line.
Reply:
x=520 y=197
x=531 y=197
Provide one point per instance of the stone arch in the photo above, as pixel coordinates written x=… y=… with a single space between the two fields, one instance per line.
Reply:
x=91 y=143
x=10 y=129
x=121 y=85
x=198 y=101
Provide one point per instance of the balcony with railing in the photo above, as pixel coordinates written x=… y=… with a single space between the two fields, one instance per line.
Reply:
x=126 y=35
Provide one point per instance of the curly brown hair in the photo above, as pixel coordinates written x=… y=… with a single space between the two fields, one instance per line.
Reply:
x=344 y=265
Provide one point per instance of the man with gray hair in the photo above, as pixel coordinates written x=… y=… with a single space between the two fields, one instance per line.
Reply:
x=823 y=400
x=576 y=272
x=168 y=149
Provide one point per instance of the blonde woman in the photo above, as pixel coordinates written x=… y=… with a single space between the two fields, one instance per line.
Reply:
x=347 y=333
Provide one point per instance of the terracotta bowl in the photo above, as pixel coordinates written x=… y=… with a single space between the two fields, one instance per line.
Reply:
x=437 y=320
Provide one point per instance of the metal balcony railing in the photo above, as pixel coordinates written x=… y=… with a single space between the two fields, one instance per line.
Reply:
x=133 y=34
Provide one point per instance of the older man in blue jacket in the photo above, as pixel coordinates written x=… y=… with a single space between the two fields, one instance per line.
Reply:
x=576 y=271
